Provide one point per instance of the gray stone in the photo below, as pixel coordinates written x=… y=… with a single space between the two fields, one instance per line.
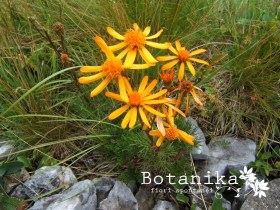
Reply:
x=45 y=179
x=5 y=149
x=81 y=196
x=201 y=151
x=270 y=202
x=145 y=198
x=164 y=205
x=228 y=152
x=103 y=187
x=119 y=198
x=226 y=204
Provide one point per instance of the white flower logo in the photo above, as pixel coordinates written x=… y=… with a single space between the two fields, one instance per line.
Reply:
x=259 y=188
x=251 y=180
x=248 y=176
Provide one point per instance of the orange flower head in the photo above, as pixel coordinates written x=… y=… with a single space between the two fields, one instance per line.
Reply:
x=113 y=67
x=135 y=39
x=64 y=58
x=135 y=99
x=183 y=55
x=171 y=133
x=134 y=42
x=187 y=86
x=138 y=102
x=167 y=77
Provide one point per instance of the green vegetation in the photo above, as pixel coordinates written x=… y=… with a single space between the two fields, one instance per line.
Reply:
x=50 y=117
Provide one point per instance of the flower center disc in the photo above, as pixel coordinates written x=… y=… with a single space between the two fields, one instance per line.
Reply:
x=183 y=55
x=171 y=133
x=187 y=86
x=135 y=99
x=135 y=39
x=113 y=67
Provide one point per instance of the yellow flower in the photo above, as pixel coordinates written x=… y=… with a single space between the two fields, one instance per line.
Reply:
x=171 y=132
x=136 y=101
x=187 y=88
x=183 y=57
x=134 y=40
x=112 y=68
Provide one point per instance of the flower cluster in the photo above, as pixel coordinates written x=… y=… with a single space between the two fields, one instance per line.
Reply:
x=251 y=180
x=141 y=101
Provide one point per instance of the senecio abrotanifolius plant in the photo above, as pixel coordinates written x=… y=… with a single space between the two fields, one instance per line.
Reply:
x=155 y=104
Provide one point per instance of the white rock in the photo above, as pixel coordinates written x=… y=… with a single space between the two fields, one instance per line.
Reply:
x=45 y=179
x=228 y=152
x=81 y=196
x=164 y=205
x=119 y=198
x=201 y=151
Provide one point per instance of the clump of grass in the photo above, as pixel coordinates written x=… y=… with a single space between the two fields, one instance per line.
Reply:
x=246 y=97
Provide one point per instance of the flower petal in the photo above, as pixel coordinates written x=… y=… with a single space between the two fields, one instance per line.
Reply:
x=169 y=65
x=186 y=137
x=191 y=68
x=166 y=58
x=199 y=61
x=155 y=35
x=118 y=112
x=115 y=34
x=122 y=53
x=172 y=49
x=176 y=109
x=89 y=79
x=147 y=55
x=122 y=89
x=104 y=47
x=144 y=117
x=178 y=45
x=135 y=26
x=126 y=119
x=118 y=46
x=150 y=87
x=155 y=133
x=114 y=96
x=88 y=69
x=140 y=66
x=153 y=111
x=127 y=85
x=156 y=95
x=143 y=84
x=159 y=141
x=181 y=72
x=130 y=58
x=147 y=31
x=100 y=87
x=133 y=117
x=161 y=101
x=195 y=97
x=160 y=126
x=163 y=46
x=196 y=52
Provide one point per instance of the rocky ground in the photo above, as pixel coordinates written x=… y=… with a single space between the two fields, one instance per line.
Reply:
x=56 y=188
